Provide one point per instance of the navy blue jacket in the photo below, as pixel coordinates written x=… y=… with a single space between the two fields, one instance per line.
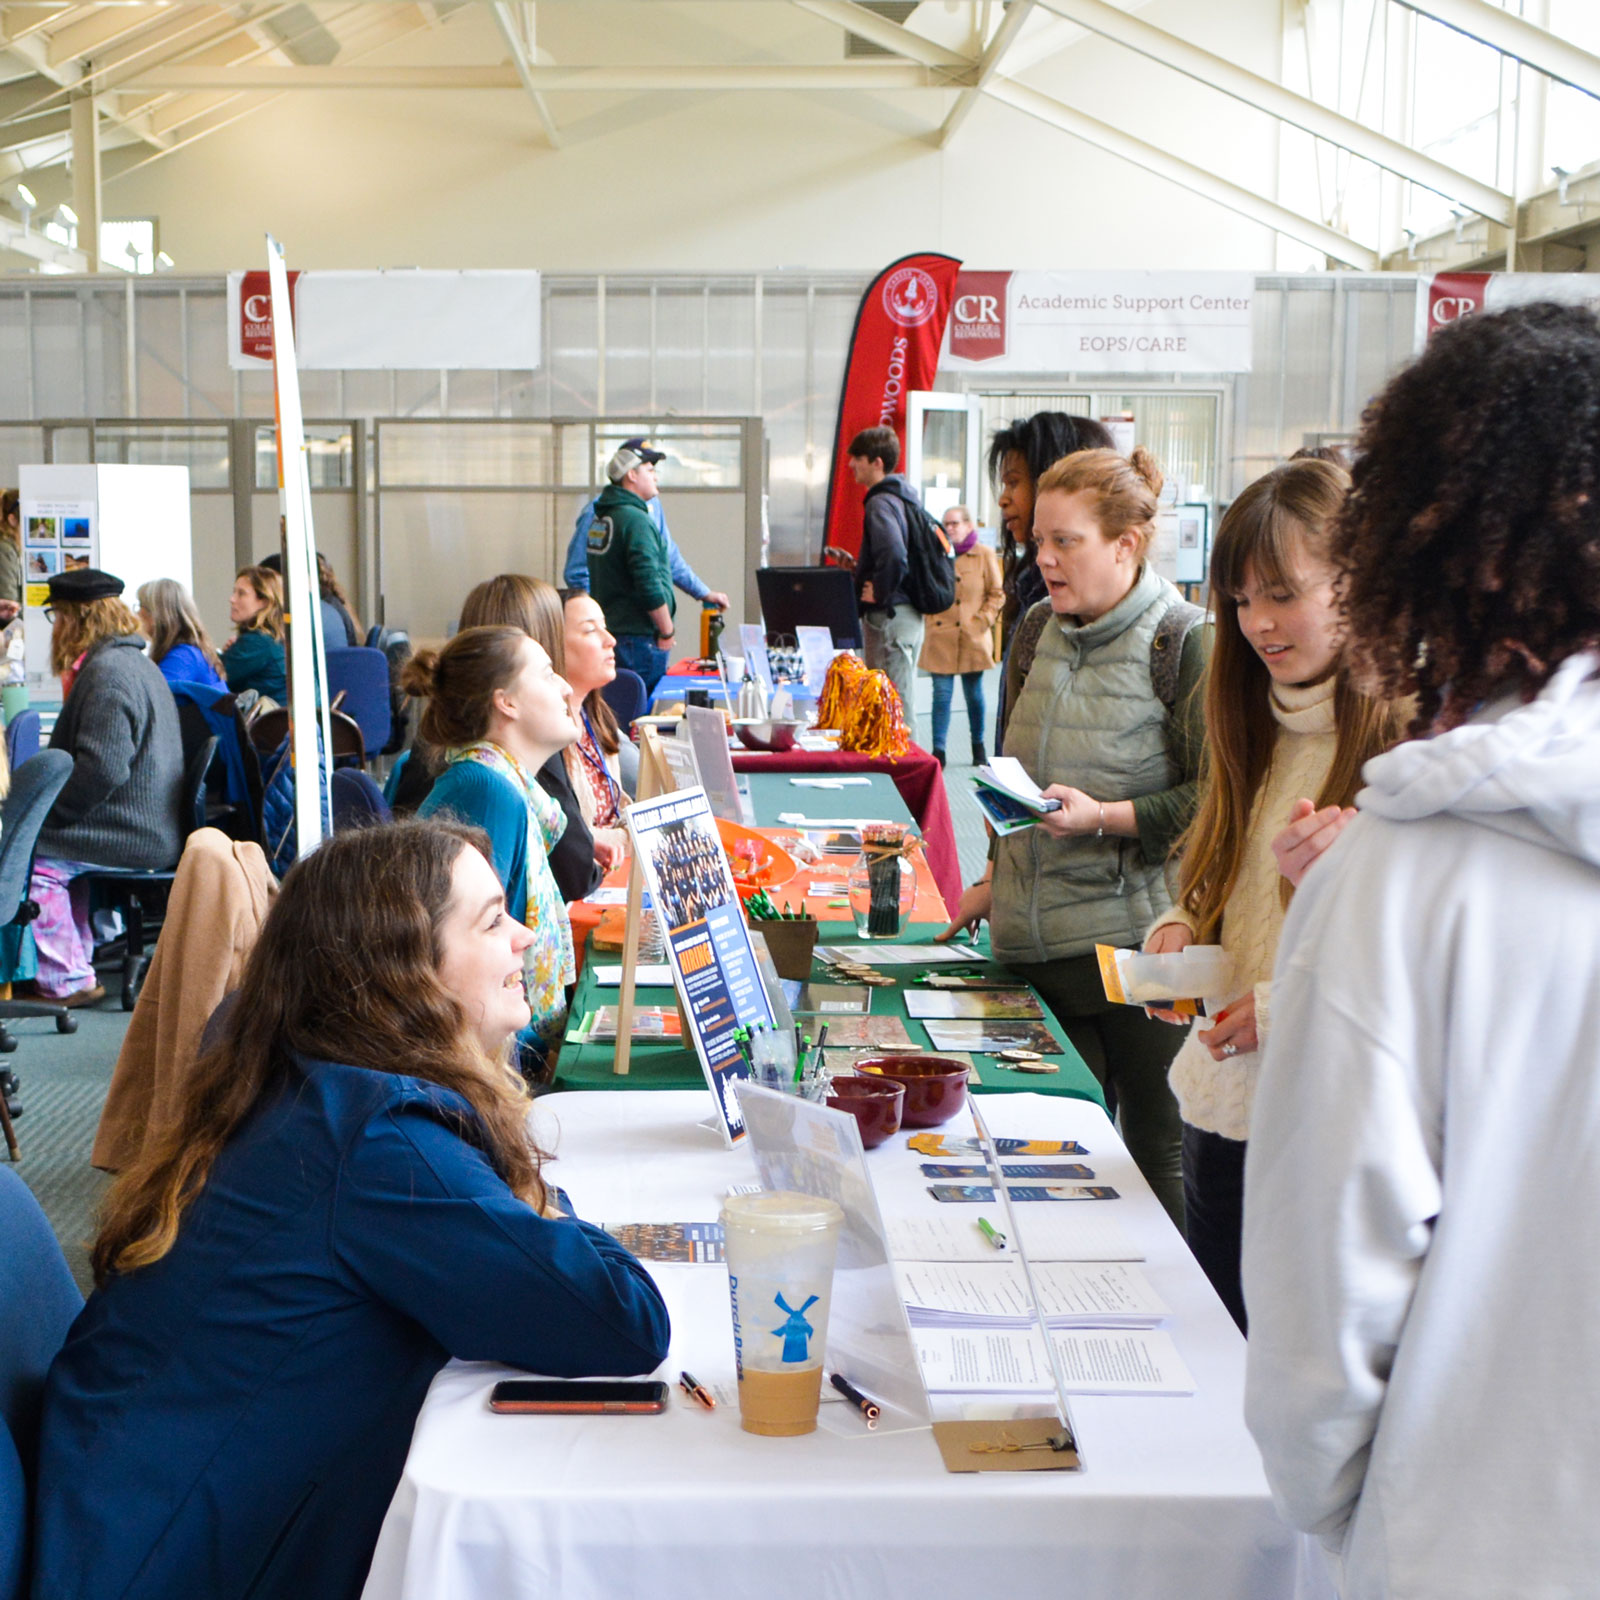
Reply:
x=233 y=1419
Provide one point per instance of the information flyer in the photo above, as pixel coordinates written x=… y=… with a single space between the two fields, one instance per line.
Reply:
x=714 y=968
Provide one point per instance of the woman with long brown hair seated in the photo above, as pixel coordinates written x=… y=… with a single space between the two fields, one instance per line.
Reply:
x=348 y=1198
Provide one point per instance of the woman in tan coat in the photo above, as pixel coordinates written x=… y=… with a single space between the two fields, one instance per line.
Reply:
x=961 y=640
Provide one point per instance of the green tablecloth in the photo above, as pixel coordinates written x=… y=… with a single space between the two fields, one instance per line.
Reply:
x=658 y=1066
x=772 y=793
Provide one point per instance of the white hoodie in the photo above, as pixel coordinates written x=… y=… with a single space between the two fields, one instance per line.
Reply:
x=1422 y=1191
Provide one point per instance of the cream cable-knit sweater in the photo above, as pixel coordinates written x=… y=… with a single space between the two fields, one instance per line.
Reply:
x=1217 y=1095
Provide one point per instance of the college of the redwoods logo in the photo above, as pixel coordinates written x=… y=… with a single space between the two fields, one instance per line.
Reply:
x=910 y=297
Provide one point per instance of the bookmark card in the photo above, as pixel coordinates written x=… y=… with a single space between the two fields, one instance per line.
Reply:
x=686 y=1243
x=1014 y=1169
x=983 y=1193
x=944 y=1144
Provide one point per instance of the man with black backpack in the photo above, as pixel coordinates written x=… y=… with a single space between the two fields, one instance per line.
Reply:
x=905 y=567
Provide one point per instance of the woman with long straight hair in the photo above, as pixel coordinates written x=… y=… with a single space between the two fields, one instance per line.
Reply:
x=496 y=712
x=347 y=1197
x=594 y=762
x=1424 y=1170
x=179 y=643
x=1284 y=721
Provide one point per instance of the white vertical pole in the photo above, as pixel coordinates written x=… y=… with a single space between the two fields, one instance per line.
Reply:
x=308 y=673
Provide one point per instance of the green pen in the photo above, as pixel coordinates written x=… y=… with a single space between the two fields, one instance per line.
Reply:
x=991 y=1233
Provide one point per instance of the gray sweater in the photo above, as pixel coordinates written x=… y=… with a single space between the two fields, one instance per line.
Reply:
x=123 y=804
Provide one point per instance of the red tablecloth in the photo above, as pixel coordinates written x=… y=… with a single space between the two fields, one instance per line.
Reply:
x=921 y=784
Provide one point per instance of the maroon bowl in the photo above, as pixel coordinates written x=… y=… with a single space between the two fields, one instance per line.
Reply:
x=936 y=1087
x=875 y=1103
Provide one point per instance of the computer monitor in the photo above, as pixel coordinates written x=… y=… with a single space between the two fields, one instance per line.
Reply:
x=810 y=597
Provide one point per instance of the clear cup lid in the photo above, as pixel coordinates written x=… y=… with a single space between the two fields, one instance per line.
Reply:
x=780 y=1209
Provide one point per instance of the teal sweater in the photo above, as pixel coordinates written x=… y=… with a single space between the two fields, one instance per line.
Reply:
x=629 y=572
x=255 y=661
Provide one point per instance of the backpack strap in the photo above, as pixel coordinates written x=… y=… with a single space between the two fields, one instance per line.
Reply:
x=1166 y=649
x=1025 y=641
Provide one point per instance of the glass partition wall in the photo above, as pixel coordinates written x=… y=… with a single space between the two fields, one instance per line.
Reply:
x=424 y=481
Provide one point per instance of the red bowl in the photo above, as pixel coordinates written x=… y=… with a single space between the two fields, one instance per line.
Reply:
x=875 y=1103
x=936 y=1087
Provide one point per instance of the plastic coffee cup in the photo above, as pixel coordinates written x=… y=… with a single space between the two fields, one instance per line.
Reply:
x=780 y=1247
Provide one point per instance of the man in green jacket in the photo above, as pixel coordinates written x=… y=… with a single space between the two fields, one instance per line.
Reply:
x=629 y=573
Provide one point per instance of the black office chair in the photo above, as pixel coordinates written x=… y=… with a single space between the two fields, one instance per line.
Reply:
x=627 y=697
x=34 y=787
x=140 y=894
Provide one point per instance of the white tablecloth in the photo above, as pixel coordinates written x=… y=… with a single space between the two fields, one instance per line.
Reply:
x=687 y=1506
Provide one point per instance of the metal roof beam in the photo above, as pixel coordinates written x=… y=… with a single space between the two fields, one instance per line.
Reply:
x=1163 y=163
x=522 y=58
x=994 y=55
x=1511 y=35
x=1262 y=93
x=890 y=35
x=609 y=79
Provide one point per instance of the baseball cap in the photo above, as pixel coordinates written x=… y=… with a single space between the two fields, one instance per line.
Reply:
x=632 y=453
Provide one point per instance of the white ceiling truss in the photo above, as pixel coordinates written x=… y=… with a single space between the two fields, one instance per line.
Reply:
x=161 y=76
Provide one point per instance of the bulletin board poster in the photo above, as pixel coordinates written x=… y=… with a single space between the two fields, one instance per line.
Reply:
x=714 y=969
x=58 y=535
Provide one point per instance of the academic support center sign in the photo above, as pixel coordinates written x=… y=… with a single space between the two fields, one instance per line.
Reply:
x=1090 y=322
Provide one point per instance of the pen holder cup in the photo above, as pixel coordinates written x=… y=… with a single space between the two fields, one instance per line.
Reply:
x=877 y=1104
x=790 y=942
x=936 y=1087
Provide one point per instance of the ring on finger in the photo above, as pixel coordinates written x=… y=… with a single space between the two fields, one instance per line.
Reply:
x=1230 y=1049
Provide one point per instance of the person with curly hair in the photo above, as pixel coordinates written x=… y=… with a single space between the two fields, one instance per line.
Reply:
x=1421 y=1156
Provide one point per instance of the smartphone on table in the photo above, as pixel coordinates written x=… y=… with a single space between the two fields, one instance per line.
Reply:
x=578 y=1397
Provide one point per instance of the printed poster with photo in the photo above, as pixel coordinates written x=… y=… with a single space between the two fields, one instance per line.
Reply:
x=719 y=986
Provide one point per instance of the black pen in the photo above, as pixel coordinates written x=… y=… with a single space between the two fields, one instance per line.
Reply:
x=870 y=1409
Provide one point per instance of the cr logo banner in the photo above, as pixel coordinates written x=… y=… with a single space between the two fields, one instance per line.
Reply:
x=1454 y=295
x=978 y=315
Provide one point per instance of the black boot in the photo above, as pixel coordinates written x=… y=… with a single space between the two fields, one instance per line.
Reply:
x=938 y=755
x=980 y=756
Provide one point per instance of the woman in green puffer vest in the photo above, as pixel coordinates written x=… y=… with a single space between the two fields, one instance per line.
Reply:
x=1104 y=678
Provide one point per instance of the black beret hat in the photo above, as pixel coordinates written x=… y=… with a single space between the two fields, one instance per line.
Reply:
x=82 y=585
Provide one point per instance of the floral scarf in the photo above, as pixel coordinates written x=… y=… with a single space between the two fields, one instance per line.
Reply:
x=548 y=964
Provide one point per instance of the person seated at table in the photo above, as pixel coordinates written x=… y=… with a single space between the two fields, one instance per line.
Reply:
x=512 y=600
x=1099 y=729
x=496 y=712
x=341 y=627
x=123 y=804
x=255 y=658
x=348 y=1197
x=594 y=760
x=179 y=643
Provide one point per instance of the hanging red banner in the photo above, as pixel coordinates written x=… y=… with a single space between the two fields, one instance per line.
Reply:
x=894 y=349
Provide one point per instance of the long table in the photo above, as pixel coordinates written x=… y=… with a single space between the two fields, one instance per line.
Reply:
x=686 y=1506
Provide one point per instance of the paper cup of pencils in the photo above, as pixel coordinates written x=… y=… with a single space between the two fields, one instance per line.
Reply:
x=780 y=1247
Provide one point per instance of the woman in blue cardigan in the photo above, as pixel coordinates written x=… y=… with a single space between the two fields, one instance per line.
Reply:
x=348 y=1199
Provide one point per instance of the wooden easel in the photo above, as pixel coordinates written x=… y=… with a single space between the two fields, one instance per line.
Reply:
x=655 y=778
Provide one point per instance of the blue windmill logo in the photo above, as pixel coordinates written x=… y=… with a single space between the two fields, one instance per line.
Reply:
x=795 y=1331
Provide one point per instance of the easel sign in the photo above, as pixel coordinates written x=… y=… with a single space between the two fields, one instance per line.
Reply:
x=679 y=852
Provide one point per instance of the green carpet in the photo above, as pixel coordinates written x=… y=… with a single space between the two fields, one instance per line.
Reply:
x=64 y=1081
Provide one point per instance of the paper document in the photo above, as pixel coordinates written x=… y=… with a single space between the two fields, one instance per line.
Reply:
x=1049 y=1233
x=856 y=782
x=608 y=895
x=896 y=955
x=1142 y=1361
x=645 y=974
x=994 y=1294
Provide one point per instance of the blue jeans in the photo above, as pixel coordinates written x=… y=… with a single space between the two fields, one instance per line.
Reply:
x=943 y=691
x=638 y=653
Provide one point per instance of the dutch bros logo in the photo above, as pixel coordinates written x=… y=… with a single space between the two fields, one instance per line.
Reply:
x=910 y=297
